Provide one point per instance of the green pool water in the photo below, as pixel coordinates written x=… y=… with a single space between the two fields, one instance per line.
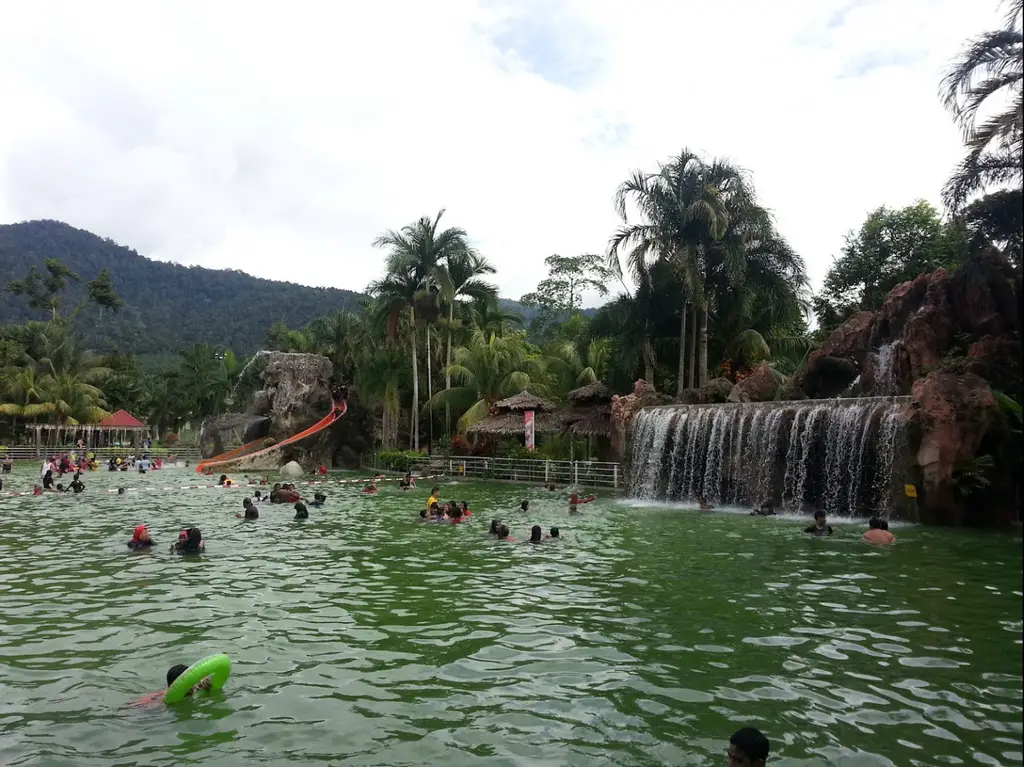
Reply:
x=645 y=637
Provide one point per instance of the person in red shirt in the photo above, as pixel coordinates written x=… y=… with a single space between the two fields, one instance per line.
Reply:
x=575 y=502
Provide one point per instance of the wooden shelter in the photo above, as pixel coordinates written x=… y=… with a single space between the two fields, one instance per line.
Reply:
x=118 y=429
x=509 y=416
x=590 y=411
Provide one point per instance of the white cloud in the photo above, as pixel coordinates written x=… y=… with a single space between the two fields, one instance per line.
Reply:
x=280 y=139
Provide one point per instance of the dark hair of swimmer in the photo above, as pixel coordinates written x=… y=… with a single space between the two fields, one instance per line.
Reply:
x=120 y=491
x=554 y=532
x=524 y=506
x=423 y=514
x=174 y=672
x=503 y=531
x=494 y=527
x=60 y=486
x=884 y=524
x=223 y=479
x=874 y=523
x=535 y=534
x=465 y=506
x=434 y=507
x=246 y=503
x=300 y=511
x=435 y=490
x=277 y=485
x=819 y=514
x=257 y=495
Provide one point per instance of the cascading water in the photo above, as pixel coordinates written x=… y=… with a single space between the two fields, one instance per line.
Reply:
x=886 y=381
x=835 y=455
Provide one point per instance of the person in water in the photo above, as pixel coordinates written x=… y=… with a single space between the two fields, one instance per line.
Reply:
x=455 y=513
x=423 y=516
x=524 y=506
x=190 y=541
x=748 y=748
x=503 y=533
x=434 y=491
x=76 y=485
x=465 y=510
x=819 y=529
x=175 y=671
x=48 y=480
x=536 y=534
x=371 y=488
x=301 y=512
x=249 y=510
x=8 y=465
x=140 y=538
x=120 y=491
x=876 y=534
x=554 y=534
x=703 y=504
x=319 y=499
x=575 y=502
x=764 y=509
x=495 y=524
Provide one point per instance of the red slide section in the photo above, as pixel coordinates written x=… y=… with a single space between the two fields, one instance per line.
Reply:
x=240 y=452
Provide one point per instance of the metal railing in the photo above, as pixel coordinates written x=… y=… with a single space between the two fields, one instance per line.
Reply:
x=528 y=470
x=26 y=452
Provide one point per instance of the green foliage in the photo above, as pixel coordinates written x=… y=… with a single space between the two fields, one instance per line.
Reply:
x=559 y=296
x=398 y=460
x=972 y=475
x=891 y=247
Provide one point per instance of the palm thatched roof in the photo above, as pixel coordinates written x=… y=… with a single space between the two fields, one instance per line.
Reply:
x=514 y=423
x=591 y=394
x=524 y=401
x=588 y=421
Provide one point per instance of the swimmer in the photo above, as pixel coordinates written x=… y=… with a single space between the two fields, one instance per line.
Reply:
x=536 y=534
x=301 y=512
x=223 y=480
x=876 y=533
x=371 y=488
x=37 y=490
x=764 y=509
x=456 y=514
x=60 y=488
x=503 y=533
x=524 y=506
x=575 y=501
x=249 y=510
x=48 y=480
x=423 y=516
x=257 y=496
x=465 y=510
x=819 y=529
x=175 y=671
x=434 y=491
x=703 y=504
x=319 y=499
x=495 y=524
x=190 y=541
x=140 y=538
x=265 y=480
x=884 y=524
x=76 y=485
x=8 y=465
x=748 y=748
x=275 y=493
x=120 y=491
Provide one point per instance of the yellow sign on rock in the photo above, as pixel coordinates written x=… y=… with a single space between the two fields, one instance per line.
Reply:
x=910 y=490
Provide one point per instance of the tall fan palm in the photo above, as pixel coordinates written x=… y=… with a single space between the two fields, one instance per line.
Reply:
x=417 y=272
x=685 y=207
x=489 y=317
x=989 y=71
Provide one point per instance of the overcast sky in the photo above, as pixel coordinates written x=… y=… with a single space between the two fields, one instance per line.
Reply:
x=280 y=138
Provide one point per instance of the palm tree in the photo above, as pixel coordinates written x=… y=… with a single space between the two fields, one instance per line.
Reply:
x=416 y=273
x=489 y=317
x=685 y=208
x=380 y=378
x=485 y=370
x=990 y=70
x=465 y=270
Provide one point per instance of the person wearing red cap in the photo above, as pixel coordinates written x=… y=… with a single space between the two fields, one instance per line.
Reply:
x=140 y=538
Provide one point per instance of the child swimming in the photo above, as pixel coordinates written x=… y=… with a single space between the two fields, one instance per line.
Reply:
x=173 y=673
x=140 y=538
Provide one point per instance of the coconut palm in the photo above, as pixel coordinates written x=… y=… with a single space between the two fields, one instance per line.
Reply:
x=684 y=208
x=416 y=275
x=989 y=71
x=485 y=370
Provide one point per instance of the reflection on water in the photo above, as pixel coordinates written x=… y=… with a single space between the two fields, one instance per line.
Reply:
x=645 y=637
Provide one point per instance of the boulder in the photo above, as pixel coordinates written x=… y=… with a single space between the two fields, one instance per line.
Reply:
x=948 y=420
x=716 y=390
x=760 y=386
x=690 y=397
x=291 y=469
x=831 y=369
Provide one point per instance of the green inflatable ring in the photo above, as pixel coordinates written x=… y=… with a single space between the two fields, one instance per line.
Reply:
x=216 y=666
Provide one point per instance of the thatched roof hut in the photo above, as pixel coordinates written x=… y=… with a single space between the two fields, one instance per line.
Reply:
x=509 y=416
x=522 y=402
x=591 y=412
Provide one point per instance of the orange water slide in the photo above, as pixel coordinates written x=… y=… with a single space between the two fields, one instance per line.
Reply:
x=240 y=452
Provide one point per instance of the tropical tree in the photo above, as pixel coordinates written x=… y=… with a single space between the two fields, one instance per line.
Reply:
x=684 y=209
x=416 y=273
x=988 y=72
x=487 y=369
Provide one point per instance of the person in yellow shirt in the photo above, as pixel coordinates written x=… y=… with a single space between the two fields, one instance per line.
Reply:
x=433 y=497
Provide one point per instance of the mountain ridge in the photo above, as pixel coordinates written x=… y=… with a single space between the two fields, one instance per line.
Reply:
x=168 y=306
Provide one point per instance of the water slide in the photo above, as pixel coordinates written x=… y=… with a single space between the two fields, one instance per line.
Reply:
x=239 y=453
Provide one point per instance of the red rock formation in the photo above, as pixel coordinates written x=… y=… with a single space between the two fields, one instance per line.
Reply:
x=760 y=386
x=952 y=415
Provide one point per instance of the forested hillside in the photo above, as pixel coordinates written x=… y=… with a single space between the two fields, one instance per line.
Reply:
x=167 y=307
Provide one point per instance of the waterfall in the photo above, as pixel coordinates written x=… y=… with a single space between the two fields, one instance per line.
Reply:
x=839 y=456
x=886 y=380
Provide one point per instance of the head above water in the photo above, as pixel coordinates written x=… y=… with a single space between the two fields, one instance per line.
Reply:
x=120 y=491
x=884 y=524
x=748 y=748
x=503 y=531
x=494 y=526
x=819 y=518
x=874 y=523
x=277 y=485
x=554 y=532
x=423 y=514
x=535 y=534
x=174 y=672
x=247 y=503
x=524 y=506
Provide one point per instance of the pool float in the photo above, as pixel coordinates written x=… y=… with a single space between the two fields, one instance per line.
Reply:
x=218 y=667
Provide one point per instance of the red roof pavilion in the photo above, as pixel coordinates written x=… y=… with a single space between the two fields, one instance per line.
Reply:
x=122 y=419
